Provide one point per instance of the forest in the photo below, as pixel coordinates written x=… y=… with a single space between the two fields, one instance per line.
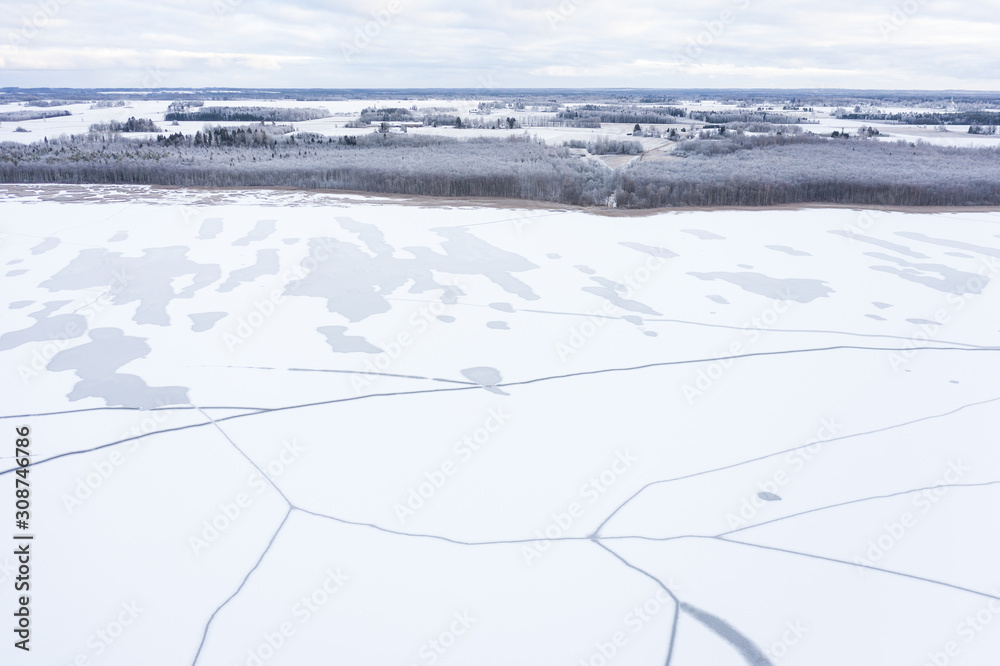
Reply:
x=247 y=114
x=977 y=117
x=20 y=116
x=107 y=104
x=592 y=115
x=741 y=116
x=131 y=125
x=514 y=167
x=770 y=170
x=714 y=168
x=605 y=146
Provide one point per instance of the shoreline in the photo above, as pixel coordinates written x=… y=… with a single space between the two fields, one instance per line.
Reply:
x=116 y=193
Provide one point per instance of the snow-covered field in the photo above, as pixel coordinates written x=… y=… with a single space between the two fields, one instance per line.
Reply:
x=279 y=428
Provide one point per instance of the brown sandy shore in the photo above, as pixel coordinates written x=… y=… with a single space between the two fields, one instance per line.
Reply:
x=289 y=196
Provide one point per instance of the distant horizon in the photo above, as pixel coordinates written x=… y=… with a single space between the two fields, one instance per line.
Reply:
x=480 y=90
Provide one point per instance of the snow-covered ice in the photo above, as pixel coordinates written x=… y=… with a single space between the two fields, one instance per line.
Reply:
x=281 y=428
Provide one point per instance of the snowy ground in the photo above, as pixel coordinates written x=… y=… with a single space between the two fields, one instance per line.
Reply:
x=302 y=429
x=821 y=121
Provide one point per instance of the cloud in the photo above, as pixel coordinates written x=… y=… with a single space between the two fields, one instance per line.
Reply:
x=551 y=43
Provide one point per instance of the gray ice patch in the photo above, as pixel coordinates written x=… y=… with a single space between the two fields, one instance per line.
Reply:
x=745 y=266
x=450 y=294
x=958 y=245
x=17 y=305
x=499 y=325
x=147 y=279
x=486 y=377
x=623 y=303
x=16 y=272
x=46 y=327
x=261 y=231
x=788 y=250
x=267 y=264
x=717 y=299
x=876 y=317
x=368 y=234
x=936 y=276
x=609 y=284
x=204 y=321
x=887 y=245
x=53 y=306
x=703 y=235
x=881 y=306
x=118 y=237
x=633 y=319
x=661 y=252
x=960 y=255
x=553 y=255
x=14 y=261
x=502 y=307
x=586 y=270
x=769 y=497
x=96 y=363
x=650 y=334
x=210 y=228
x=924 y=322
x=466 y=254
x=356 y=284
x=345 y=344
x=801 y=290
x=45 y=246
x=448 y=319
x=289 y=241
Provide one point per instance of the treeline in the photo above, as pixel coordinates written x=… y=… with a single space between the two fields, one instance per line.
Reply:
x=432 y=118
x=18 y=116
x=953 y=118
x=107 y=103
x=606 y=146
x=253 y=136
x=735 y=116
x=248 y=114
x=552 y=121
x=730 y=169
x=590 y=115
x=517 y=167
x=130 y=125
x=389 y=114
x=762 y=127
x=725 y=142
x=183 y=105
x=43 y=103
x=809 y=169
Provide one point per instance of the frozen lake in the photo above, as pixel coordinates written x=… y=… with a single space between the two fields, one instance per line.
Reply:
x=298 y=428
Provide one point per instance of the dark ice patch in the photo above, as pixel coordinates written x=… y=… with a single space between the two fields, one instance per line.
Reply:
x=261 y=231
x=801 y=290
x=345 y=344
x=96 y=364
x=204 y=321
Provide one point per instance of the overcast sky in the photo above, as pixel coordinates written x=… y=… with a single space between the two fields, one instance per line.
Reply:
x=933 y=44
